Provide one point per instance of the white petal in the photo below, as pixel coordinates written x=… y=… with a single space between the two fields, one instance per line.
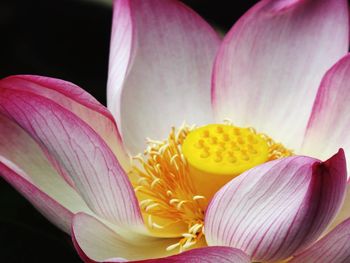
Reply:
x=329 y=122
x=270 y=64
x=168 y=71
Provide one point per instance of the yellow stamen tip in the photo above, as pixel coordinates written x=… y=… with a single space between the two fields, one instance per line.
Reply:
x=225 y=149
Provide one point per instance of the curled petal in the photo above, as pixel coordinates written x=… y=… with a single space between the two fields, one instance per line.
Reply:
x=26 y=168
x=160 y=68
x=329 y=122
x=77 y=150
x=76 y=100
x=270 y=64
x=54 y=211
x=275 y=209
x=334 y=247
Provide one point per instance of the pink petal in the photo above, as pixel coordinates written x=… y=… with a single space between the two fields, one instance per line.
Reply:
x=273 y=210
x=344 y=212
x=335 y=247
x=76 y=100
x=79 y=151
x=20 y=156
x=270 y=64
x=96 y=242
x=329 y=123
x=167 y=52
x=49 y=207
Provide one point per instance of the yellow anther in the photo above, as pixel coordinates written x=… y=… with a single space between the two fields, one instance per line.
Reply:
x=155 y=182
x=138 y=188
x=172 y=247
x=198 y=197
x=179 y=205
x=173 y=201
x=155 y=225
x=145 y=202
x=188 y=235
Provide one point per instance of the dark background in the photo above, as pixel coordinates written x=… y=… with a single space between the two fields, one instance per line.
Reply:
x=67 y=39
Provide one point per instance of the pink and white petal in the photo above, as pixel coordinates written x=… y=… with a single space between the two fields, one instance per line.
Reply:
x=167 y=79
x=206 y=255
x=54 y=211
x=335 y=247
x=329 y=122
x=20 y=156
x=270 y=64
x=79 y=151
x=120 y=54
x=344 y=212
x=97 y=242
x=275 y=209
x=76 y=100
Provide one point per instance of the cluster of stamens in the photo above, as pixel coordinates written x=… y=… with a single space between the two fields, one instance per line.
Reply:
x=164 y=180
x=165 y=188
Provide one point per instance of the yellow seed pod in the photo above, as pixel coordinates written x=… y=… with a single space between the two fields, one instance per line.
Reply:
x=216 y=153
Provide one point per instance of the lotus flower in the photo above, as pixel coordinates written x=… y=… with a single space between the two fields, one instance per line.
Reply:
x=249 y=189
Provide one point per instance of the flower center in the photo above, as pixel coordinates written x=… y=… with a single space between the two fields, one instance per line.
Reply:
x=217 y=153
x=175 y=179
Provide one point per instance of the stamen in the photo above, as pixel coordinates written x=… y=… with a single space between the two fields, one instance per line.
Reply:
x=138 y=188
x=145 y=202
x=151 y=206
x=172 y=201
x=198 y=197
x=150 y=222
x=155 y=225
x=167 y=186
x=189 y=239
x=155 y=181
x=187 y=235
x=172 y=247
x=179 y=205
